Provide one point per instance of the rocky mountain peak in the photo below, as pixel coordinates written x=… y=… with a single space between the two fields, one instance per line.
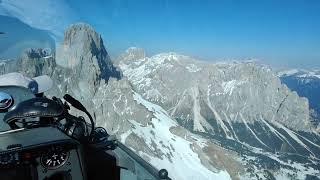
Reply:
x=183 y=114
x=83 y=62
x=242 y=102
x=79 y=66
x=86 y=39
x=83 y=50
x=133 y=53
x=36 y=53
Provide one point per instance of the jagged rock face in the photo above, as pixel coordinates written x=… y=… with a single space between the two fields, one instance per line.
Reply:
x=245 y=119
x=35 y=62
x=82 y=68
x=240 y=91
x=80 y=65
x=132 y=53
x=76 y=54
x=306 y=84
x=147 y=129
x=83 y=63
x=240 y=105
x=114 y=105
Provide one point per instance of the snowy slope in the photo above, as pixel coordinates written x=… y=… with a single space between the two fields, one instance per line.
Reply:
x=178 y=157
x=242 y=106
x=303 y=73
x=163 y=103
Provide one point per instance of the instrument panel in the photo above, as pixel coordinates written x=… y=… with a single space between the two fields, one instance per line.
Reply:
x=54 y=157
x=44 y=162
x=51 y=157
x=8 y=159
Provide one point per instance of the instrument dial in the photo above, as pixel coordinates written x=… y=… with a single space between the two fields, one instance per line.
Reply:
x=54 y=158
x=6 y=159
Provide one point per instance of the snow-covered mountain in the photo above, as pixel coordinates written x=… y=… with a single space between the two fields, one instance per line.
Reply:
x=83 y=68
x=303 y=73
x=241 y=106
x=198 y=120
x=307 y=84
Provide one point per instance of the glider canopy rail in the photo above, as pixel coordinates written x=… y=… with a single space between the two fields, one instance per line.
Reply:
x=141 y=165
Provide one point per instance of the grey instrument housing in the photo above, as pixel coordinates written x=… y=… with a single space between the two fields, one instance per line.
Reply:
x=33 y=139
x=20 y=140
x=18 y=94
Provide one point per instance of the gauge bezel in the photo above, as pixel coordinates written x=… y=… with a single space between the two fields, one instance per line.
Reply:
x=11 y=159
x=55 y=167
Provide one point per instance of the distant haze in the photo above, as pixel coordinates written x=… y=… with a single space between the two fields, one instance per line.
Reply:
x=280 y=33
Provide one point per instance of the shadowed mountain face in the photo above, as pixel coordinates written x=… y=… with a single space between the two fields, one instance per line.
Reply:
x=306 y=84
x=19 y=36
x=198 y=120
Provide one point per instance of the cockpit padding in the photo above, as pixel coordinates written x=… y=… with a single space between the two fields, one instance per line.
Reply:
x=35 y=107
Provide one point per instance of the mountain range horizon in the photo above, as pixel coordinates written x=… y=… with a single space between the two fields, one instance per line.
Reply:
x=285 y=36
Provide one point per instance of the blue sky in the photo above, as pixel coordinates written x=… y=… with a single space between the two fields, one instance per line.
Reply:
x=283 y=33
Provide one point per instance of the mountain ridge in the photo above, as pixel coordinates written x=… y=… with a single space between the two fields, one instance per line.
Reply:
x=206 y=108
x=172 y=95
x=139 y=70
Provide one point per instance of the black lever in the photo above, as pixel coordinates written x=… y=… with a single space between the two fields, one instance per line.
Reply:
x=75 y=103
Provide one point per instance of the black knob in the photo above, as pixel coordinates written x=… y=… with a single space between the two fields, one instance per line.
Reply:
x=75 y=103
x=163 y=174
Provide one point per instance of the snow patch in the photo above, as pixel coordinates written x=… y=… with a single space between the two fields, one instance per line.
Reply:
x=253 y=133
x=309 y=74
x=217 y=116
x=288 y=72
x=301 y=73
x=178 y=156
x=293 y=136
x=229 y=86
x=193 y=68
